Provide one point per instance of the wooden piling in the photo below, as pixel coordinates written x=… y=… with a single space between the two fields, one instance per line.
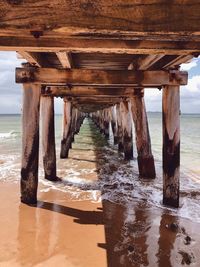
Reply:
x=48 y=137
x=114 y=124
x=30 y=143
x=171 y=145
x=145 y=158
x=127 y=130
x=65 y=143
x=119 y=128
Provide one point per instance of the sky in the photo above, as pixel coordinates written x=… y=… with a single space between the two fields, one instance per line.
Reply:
x=11 y=93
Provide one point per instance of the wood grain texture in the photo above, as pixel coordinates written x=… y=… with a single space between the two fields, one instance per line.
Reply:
x=48 y=137
x=152 y=16
x=171 y=145
x=99 y=77
x=127 y=130
x=65 y=142
x=30 y=143
x=99 y=45
x=145 y=158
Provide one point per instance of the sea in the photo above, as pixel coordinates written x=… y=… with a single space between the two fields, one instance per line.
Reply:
x=93 y=155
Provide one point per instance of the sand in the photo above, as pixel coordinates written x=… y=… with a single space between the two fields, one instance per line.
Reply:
x=60 y=232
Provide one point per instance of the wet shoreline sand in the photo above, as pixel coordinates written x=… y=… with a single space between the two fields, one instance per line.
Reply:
x=80 y=233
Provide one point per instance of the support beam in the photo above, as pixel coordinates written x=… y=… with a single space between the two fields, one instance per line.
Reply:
x=30 y=143
x=127 y=130
x=157 y=44
x=145 y=158
x=87 y=77
x=86 y=91
x=35 y=59
x=66 y=141
x=119 y=128
x=65 y=59
x=48 y=138
x=171 y=145
x=178 y=61
x=147 y=61
x=114 y=124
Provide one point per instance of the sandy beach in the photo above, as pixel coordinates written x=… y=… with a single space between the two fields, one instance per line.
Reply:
x=60 y=232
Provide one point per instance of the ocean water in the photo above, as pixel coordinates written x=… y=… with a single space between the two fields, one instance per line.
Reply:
x=118 y=181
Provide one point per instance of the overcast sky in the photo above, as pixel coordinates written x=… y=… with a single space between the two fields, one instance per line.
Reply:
x=11 y=93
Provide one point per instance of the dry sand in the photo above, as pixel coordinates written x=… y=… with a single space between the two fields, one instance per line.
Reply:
x=60 y=232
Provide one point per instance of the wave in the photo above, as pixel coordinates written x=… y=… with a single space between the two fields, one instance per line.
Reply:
x=11 y=134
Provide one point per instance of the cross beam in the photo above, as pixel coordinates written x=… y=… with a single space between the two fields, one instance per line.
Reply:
x=125 y=78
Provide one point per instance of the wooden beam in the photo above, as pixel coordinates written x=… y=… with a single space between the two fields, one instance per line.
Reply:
x=86 y=91
x=127 y=130
x=146 y=62
x=146 y=18
x=48 y=138
x=66 y=140
x=100 y=77
x=45 y=44
x=145 y=158
x=30 y=143
x=178 y=61
x=65 y=59
x=171 y=145
x=35 y=59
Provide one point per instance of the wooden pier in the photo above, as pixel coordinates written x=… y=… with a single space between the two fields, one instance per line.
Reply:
x=100 y=58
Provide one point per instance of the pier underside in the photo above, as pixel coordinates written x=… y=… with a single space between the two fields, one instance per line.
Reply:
x=100 y=60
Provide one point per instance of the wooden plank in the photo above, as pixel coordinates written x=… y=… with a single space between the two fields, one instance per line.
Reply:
x=171 y=145
x=30 y=143
x=65 y=59
x=58 y=16
x=178 y=61
x=146 y=62
x=86 y=91
x=48 y=138
x=98 y=45
x=36 y=59
x=99 y=77
x=145 y=158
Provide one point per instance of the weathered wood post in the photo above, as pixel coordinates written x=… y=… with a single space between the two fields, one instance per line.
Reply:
x=145 y=158
x=30 y=142
x=171 y=145
x=119 y=128
x=65 y=143
x=106 y=117
x=114 y=124
x=127 y=130
x=48 y=137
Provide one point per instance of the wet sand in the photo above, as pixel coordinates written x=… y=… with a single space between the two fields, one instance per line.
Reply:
x=66 y=231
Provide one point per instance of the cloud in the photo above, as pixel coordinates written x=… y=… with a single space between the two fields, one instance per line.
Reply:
x=190 y=65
